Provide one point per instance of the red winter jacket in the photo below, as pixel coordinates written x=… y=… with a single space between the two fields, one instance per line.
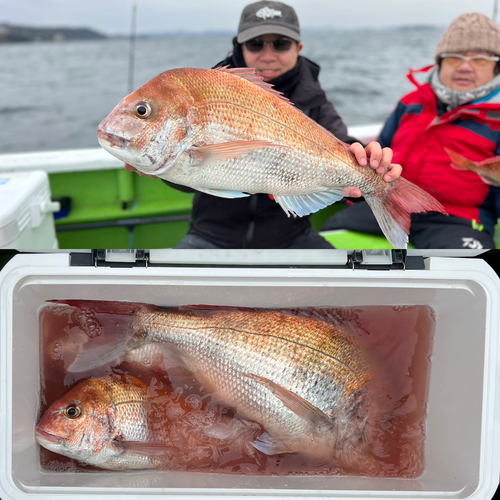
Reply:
x=417 y=136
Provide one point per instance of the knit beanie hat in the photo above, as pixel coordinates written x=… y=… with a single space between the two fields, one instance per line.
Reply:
x=473 y=31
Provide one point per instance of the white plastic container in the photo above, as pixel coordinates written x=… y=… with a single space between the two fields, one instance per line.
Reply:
x=462 y=451
x=26 y=220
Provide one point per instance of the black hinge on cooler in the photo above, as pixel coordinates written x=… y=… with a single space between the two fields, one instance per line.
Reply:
x=359 y=259
x=111 y=258
x=384 y=260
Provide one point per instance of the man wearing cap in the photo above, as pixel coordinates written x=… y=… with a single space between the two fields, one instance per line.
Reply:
x=456 y=107
x=269 y=41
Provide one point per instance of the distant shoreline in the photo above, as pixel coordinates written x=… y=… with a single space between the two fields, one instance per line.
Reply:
x=10 y=33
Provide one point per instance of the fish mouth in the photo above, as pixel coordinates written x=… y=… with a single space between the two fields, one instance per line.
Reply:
x=41 y=435
x=112 y=139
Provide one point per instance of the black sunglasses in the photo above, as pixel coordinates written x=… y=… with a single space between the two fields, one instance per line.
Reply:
x=279 y=45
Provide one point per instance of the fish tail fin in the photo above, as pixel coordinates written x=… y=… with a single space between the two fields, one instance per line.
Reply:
x=459 y=161
x=110 y=328
x=393 y=208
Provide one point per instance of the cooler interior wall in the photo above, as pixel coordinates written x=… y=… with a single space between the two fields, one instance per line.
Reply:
x=452 y=445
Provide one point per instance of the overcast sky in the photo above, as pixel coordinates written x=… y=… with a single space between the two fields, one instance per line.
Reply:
x=154 y=16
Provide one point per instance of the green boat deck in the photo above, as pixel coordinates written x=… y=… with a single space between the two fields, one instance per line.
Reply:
x=119 y=209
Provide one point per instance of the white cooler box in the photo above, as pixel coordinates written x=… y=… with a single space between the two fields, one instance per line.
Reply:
x=26 y=220
x=462 y=447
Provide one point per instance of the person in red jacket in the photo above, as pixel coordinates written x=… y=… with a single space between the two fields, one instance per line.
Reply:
x=457 y=106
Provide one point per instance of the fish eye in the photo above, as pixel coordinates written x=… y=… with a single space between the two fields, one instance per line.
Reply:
x=142 y=109
x=72 y=411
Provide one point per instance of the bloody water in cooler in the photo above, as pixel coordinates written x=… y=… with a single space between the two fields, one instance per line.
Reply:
x=399 y=341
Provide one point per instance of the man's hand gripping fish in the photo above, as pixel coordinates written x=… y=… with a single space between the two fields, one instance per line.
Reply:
x=306 y=381
x=227 y=133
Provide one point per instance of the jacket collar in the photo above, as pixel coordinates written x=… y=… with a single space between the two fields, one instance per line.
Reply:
x=479 y=109
x=308 y=93
x=305 y=91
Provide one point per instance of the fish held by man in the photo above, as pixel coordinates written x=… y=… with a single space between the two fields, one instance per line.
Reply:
x=120 y=422
x=488 y=170
x=227 y=133
x=306 y=381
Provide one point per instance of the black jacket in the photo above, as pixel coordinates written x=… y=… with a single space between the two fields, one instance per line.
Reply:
x=257 y=221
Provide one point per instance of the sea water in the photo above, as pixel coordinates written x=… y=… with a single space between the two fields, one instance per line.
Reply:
x=55 y=94
x=398 y=340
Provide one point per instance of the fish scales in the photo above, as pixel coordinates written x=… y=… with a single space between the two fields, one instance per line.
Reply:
x=270 y=169
x=237 y=93
x=235 y=110
x=127 y=406
x=225 y=346
x=235 y=104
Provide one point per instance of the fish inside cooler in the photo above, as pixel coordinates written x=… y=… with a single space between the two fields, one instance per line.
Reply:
x=372 y=423
x=430 y=352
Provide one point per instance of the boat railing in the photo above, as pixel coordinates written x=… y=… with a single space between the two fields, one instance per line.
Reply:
x=103 y=203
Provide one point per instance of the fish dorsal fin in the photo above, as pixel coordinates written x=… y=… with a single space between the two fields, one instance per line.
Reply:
x=208 y=311
x=249 y=75
x=206 y=307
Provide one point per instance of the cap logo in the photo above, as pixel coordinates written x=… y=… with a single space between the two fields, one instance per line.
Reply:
x=267 y=13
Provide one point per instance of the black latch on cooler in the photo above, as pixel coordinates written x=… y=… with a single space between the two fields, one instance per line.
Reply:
x=111 y=258
x=380 y=260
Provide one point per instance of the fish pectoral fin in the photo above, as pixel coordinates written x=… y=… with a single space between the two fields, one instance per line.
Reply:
x=234 y=429
x=222 y=194
x=309 y=203
x=146 y=449
x=270 y=445
x=293 y=402
x=228 y=150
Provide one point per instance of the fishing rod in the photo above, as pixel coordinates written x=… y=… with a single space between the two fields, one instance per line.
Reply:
x=495 y=10
x=132 y=49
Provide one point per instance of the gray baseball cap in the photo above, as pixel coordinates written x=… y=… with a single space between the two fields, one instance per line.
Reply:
x=268 y=18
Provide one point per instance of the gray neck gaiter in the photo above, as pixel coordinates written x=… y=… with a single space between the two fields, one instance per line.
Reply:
x=455 y=98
